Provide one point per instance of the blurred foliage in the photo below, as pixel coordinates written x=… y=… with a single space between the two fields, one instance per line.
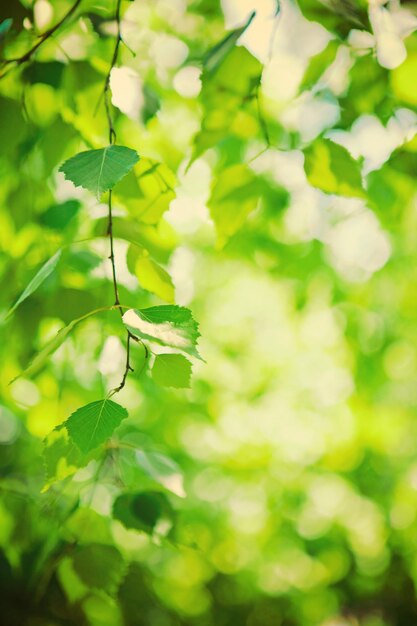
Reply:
x=263 y=473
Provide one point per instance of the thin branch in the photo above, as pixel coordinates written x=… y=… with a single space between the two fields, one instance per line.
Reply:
x=111 y=257
x=106 y=92
x=128 y=367
x=42 y=38
x=112 y=138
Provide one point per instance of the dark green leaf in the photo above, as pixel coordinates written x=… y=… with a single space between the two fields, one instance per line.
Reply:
x=141 y=511
x=59 y=216
x=99 y=566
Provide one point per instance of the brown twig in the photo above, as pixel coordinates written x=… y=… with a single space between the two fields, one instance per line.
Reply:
x=112 y=140
x=42 y=38
x=106 y=92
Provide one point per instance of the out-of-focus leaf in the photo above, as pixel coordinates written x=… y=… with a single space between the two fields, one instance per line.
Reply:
x=99 y=566
x=369 y=92
x=338 y=16
x=49 y=73
x=45 y=271
x=159 y=240
x=172 y=370
x=5 y=26
x=318 y=64
x=61 y=456
x=41 y=358
x=142 y=511
x=225 y=93
x=168 y=325
x=154 y=278
x=83 y=261
x=235 y=193
x=152 y=104
x=147 y=191
x=403 y=80
x=217 y=54
x=332 y=169
x=99 y=170
x=59 y=216
x=142 y=469
x=92 y=424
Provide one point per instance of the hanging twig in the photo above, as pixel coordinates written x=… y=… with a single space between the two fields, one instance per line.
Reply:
x=24 y=58
x=112 y=140
x=106 y=92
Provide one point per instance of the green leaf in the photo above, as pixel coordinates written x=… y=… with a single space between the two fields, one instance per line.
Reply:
x=58 y=216
x=92 y=424
x=48 y=73
x=162 y=469
x=332 y=169
x=143 y=468
x=172 y=370
x=5 y=26
x=99 y=566
x=339 y=16
x=154 y=278
x=216 y=55
x=61 y=456
x=318 y=64
x=40 y=359
x=403 y=80
x=168 y=325
x=141 y=511
x=235 y=193
x=99 y=170
x=147 y=191
x=37 y=280
x=226 y=92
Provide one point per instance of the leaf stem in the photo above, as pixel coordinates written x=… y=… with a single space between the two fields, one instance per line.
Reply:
x=42 y=38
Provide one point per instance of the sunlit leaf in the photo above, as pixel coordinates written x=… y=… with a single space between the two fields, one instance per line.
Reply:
x=332 y=169
x=172 y=370
x=62 y=458
x=168 y=325
x=226 y=91
x=218 y=53
x=318 y=64
x=147 y=190
x=154 y=278
x=235 y=193
x=403 y=80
